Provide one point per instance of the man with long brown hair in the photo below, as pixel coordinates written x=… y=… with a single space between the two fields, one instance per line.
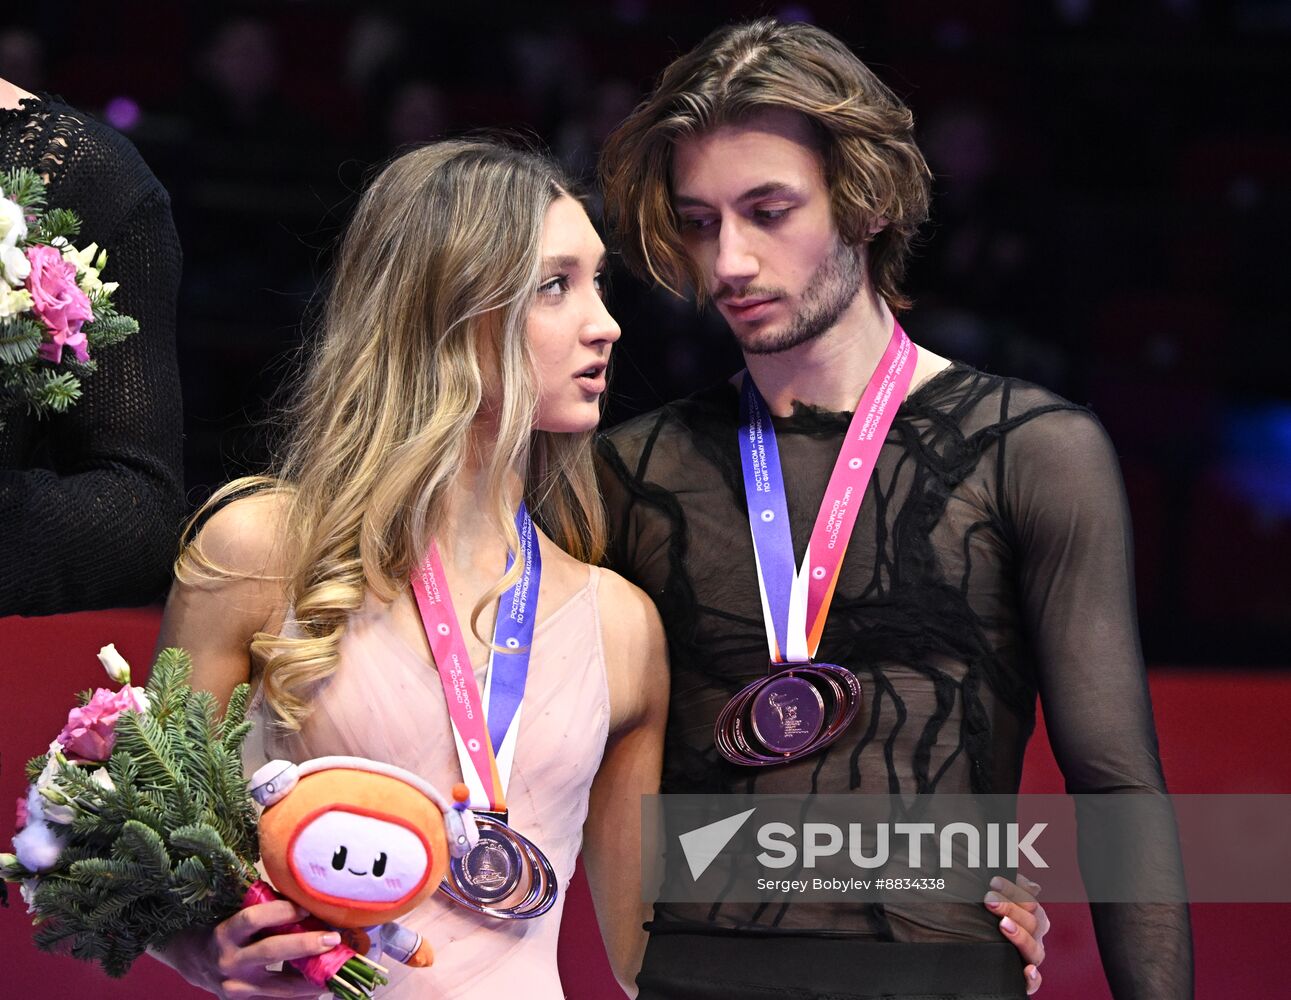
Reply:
x=774 y=176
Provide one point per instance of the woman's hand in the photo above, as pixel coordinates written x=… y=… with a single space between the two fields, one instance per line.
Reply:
x=229 y=959
x=1022 y=920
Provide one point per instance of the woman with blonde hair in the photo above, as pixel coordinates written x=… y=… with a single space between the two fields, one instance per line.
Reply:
x=445 y=419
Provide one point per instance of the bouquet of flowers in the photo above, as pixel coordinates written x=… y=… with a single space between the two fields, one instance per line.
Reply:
x=54 y=307
x=138 y=824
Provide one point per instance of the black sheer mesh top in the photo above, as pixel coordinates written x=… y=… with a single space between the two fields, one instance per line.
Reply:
x=91 y=501
x=990 y=562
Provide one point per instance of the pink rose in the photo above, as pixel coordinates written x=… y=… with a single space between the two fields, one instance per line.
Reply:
x=22 y=814
x=91 y=730
x=58 y=302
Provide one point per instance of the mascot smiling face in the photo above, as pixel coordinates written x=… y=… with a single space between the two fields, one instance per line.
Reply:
x=354 y=847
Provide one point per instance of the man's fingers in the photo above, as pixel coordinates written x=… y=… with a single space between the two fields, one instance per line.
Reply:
x=1042 y=923
x=1014 y=892
x=1034 y=979
x=246 y=924
x=1001 y=907
x=1031 y=950
x=285 y=947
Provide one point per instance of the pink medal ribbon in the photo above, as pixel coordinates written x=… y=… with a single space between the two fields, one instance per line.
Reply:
x=852 y=471
x=453 y=662
x=504 y=875
x=803 y=706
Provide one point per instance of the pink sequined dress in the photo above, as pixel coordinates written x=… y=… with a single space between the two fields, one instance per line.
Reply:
x=385 y=702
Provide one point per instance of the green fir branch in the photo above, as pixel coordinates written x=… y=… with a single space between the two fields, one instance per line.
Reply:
x=19 y=340
x=101 y=304
x=194 y=880
x=236 y=712
x=106 y=331
x=143 y=845
x=58 y=391
x=171 y=846
x=26 y=187
x=149 y=743
x=55 y=223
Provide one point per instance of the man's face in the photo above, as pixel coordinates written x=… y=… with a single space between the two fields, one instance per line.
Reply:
x=754 y=212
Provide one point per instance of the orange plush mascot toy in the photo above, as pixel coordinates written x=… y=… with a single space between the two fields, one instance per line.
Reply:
x=358 y=843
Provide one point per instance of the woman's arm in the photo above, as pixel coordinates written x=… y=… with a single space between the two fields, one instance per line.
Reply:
x=215 y=619
x=215 y=615
x=637 y=670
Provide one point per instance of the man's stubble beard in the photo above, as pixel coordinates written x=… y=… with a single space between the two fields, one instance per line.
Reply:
x=832 y=288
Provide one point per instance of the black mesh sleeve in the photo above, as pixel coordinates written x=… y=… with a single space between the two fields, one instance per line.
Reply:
x=1063 y=483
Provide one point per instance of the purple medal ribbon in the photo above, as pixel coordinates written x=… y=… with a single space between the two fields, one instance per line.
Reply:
x=768 y=516
x=796 y=599
x=802 y=706
x=485 y=729
x=503 y=863
x=508 y=672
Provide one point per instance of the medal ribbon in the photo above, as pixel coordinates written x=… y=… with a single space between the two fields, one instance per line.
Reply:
x=484 y=728
x=795 y=600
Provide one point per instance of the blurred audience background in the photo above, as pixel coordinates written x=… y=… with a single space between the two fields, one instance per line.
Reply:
x=1113 y=186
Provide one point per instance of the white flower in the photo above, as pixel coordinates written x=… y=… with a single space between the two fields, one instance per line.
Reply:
x=14 y=301
x=45 y=800
x=138 y=699
x=115 y=664
x=101 y=777
x=87 y=274
x=28 y=890
x=52 y=762
x=81 y=258
x=35 y=806
x=13 y=226
x=16 y=265
x=58 y=806
x=38 y=846
x=89 y=281
x=11 y=868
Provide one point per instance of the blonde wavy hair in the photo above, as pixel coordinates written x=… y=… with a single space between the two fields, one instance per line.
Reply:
x=873 y=167
x=423 y=329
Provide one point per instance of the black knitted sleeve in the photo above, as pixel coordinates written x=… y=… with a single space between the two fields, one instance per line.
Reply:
x=91 y=501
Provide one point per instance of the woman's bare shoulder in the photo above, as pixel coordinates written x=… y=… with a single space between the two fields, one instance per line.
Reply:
x=229 y=587
x=244 y=538
x=628 y=606
x=619 y=601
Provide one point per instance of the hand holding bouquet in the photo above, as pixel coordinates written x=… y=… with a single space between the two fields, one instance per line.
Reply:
x=138 y=825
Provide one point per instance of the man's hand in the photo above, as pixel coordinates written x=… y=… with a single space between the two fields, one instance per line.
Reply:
x=1022 y=920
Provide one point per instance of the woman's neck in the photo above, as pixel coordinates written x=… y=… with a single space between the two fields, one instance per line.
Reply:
x=469 y=537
